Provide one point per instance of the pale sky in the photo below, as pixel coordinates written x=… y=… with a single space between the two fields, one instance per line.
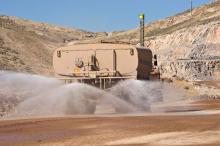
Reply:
x=94 y=15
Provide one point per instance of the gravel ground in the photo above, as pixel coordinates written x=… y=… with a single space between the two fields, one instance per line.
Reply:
x=195 y=128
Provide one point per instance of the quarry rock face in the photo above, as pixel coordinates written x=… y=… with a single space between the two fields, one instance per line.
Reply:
x=192 y=54
x=191 y=69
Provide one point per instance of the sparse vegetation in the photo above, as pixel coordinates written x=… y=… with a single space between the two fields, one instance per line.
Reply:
x=27 y=46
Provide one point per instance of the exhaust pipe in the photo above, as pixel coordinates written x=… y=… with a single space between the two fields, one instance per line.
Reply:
x=141 y=17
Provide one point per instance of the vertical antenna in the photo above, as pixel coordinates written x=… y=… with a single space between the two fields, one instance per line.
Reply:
x=141 y=17
x=191 y=6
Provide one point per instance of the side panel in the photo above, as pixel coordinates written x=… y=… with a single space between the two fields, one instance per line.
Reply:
x=127 y=63
x=65 y=64
x=105 y=59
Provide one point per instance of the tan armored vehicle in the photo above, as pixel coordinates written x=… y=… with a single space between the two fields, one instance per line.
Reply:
x=102 y=63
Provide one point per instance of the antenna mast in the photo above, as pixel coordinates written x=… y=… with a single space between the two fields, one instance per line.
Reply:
x=141 y=17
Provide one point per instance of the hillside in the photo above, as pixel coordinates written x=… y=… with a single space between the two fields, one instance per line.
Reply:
x=27 y=46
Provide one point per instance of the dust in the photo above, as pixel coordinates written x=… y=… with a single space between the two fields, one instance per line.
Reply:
x=33 y=95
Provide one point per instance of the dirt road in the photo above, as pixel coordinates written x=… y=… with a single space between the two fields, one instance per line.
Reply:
x=197 y=128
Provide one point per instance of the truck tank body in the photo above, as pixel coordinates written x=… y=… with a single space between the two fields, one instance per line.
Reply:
x=94 y=62
x=98 y=60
